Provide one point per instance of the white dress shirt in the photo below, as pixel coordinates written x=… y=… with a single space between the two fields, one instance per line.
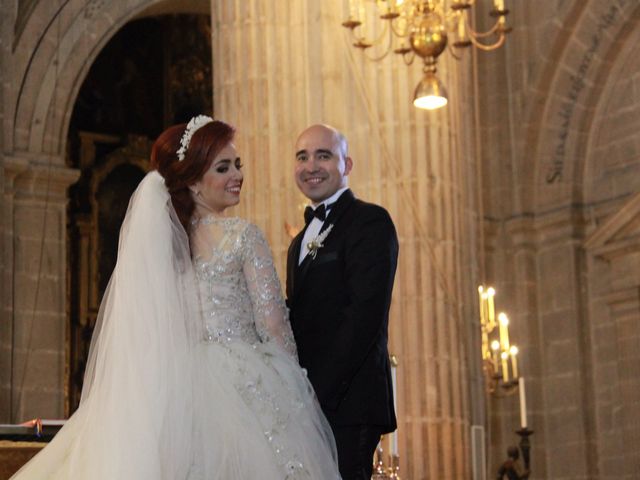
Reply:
x=316 y=224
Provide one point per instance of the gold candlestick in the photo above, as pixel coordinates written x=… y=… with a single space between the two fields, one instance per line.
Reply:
x=379 y=470
x=394 y=470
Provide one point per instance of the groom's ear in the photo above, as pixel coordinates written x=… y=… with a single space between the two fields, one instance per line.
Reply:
x=348 y=165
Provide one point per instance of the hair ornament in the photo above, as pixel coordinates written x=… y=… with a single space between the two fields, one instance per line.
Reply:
x=194 y=124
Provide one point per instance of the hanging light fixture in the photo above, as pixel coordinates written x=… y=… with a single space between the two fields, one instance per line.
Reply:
x=422 y=28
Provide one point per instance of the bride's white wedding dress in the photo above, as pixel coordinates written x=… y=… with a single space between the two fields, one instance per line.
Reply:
x=192 y=372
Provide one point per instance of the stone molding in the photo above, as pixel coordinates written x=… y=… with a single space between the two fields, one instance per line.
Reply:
x=620 y=234
x=33 y=176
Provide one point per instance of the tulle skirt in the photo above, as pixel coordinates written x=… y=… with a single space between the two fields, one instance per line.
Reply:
x=254 y=416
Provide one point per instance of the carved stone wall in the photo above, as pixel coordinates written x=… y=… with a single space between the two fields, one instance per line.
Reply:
x=560 y=159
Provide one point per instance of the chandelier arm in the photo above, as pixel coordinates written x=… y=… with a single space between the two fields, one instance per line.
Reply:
x=411 y=57
x=476 y=34
x=490 y=47
x=386 y=52
x=398 y=33
x=377 y=40
x=453 y=52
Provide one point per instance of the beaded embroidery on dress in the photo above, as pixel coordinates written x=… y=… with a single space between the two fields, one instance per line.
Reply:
x=260 y=417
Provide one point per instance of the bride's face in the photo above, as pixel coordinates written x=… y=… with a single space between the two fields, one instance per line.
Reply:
x=220 y=186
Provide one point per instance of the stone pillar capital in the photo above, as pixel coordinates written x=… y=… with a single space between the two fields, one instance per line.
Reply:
x=37 y=176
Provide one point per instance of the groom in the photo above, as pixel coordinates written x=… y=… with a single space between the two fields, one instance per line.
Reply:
x=340 y=272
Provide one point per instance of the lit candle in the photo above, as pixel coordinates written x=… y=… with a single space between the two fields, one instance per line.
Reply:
x=513 y=351
x=461 y=29
x=495 y=346
x=394 y=387
x=485 y=345
x=483 y=320
x=505 y=366
x=523 y=403
x=492 y=311
x=504 y=331
x=353 y=9
x=498 y=4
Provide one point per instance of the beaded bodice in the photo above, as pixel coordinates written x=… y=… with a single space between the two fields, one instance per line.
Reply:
x=239 y=288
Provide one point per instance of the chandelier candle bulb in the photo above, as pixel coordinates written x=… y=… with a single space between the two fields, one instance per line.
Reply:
x=523 y=403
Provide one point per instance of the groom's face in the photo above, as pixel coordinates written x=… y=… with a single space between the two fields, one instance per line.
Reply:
x=321 y=164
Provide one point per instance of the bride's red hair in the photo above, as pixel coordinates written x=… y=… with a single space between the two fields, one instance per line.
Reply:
x=205 y=144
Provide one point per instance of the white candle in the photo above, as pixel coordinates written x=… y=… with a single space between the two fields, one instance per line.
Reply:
x=394 y=385
x=504 y=331
x=481 y=298
x=513 y=351
x=523 y=403
x=461 y=30
x=491 y=307
x=353 y=9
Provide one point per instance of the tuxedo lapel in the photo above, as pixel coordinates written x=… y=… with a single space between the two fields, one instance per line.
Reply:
x=332 y=218
x=292 y=261
x=338 y=209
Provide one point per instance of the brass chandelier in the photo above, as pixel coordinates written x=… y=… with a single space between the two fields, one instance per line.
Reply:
x=422 y=27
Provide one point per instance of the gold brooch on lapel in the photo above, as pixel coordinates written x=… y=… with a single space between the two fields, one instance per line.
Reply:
x=317 y=243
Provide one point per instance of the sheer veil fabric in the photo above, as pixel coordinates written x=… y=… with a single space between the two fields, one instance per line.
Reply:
x=135 y=416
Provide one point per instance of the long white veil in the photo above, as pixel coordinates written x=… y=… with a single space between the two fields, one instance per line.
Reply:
x=135 y=416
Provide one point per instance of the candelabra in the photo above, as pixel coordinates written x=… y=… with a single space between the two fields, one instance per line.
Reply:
x=383 y=472
x=499 y=356
x=421 y=27
x=500 y=362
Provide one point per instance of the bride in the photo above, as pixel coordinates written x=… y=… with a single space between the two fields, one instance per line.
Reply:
x=193 y=370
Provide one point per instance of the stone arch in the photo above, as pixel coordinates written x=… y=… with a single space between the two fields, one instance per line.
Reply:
x=56 y=61
x=605 y=158
x=569 y=90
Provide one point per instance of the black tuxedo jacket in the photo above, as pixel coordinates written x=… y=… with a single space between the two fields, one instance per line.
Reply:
x=339 y=306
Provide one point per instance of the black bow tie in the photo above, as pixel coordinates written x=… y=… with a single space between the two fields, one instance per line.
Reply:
x=320 y=213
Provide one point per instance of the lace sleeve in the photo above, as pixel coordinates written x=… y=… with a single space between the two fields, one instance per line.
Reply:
x=269 y=308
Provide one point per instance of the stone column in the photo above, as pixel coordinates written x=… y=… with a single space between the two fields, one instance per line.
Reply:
x=281 y=66
x=33 y=339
